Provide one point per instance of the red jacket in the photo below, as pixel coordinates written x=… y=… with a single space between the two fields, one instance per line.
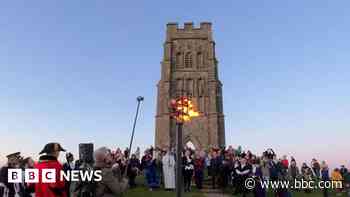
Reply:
x=285 y=163
x=55 y=189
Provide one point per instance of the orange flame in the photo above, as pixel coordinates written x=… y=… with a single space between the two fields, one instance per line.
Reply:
x=184 y=109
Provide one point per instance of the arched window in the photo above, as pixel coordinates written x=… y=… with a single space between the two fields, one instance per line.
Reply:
x=178 y=59
x=188 y=60
x=199 y=60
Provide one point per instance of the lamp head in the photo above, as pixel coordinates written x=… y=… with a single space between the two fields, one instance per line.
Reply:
x=140 y=98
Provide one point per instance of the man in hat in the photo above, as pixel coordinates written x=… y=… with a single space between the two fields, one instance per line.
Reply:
x=48 y=160
x=13 y=161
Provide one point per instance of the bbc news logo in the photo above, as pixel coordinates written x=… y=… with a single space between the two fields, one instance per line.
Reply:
x=49 y=175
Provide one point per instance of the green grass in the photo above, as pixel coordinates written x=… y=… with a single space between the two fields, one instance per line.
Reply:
x=142 y=191
x=302 y=194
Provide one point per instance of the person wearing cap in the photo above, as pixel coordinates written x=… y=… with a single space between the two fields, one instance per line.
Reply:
x=13 y=161
x=48 y=160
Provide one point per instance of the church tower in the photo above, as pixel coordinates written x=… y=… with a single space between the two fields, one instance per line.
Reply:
x=189 y=67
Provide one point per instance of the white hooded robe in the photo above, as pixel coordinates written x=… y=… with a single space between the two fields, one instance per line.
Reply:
x=168 y=162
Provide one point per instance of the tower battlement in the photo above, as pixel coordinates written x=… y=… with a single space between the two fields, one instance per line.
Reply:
x=189 y=26
x=174 y=31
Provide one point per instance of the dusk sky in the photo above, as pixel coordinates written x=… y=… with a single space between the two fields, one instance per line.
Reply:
x=70 y=71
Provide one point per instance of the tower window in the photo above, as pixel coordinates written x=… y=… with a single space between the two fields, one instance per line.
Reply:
x=178 y=60
x=188 y=60
x=200 y=60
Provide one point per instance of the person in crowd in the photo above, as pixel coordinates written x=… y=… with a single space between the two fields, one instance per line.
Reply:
x=336 y=176
x=158 y=155
x=343 y=170
x=208 y=162
x=293 y=171
x=324 y=173
x=48 y=160
x=225 y=169
x=316 y=168
x=149 y=167
x=285 y=162
x=126 y=153
x=168 y=163
x=234 y=175
x=239 y=150
x=188 y=169
x=283 y=176
x=138 y=153
x=265 y=168
x=274 y=167
x=25 y=189
x=112 y=183
x=346 y=184
x=249 y=156
x=292 y=159
x=257 y=174
x=243 y=171
x=308 y=175
x=133 y=170
x=199 y=166
x=215 y=164
x=305 y=170
x=68 y=166
x=13 y=161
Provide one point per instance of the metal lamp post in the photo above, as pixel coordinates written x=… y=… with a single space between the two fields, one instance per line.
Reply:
x=139 y=100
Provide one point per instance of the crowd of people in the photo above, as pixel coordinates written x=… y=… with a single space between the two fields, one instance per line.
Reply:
x=217 y=168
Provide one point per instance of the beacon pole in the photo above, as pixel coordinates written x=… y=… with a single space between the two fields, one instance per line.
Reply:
x=179 y=147
x=139 y=100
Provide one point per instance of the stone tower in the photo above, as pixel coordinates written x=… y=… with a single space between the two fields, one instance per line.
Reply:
x=189 y=67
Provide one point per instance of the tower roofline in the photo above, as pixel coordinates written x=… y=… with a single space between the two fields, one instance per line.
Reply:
x=189 y=26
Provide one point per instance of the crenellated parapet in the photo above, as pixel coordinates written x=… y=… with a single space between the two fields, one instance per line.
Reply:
x=188 y=31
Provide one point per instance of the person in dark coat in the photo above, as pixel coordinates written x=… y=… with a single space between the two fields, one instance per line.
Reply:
x=25 y=189
x=258 y=176
x=215 y=164
x=13 y=161
x=325 y=177
x=68 y=166
x=133 y=170
x=199 y=165
x=243 y=171
x=188 y=169
x=225 y=170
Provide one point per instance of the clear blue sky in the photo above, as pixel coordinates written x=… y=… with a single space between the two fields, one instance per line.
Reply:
x=70 y=72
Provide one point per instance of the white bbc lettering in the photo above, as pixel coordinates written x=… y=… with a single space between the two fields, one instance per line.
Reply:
x=31 y=175
x=48 y=175
x=14 y=175
x=75 y=175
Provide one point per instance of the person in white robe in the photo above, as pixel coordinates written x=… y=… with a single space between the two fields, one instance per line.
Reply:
x=168 y=162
